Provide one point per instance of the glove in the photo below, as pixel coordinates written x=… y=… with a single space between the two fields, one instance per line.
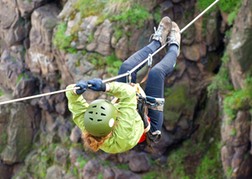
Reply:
x=97 y=85
x=82 y=87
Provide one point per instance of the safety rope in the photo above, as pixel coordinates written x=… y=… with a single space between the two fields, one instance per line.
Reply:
x=118 y=76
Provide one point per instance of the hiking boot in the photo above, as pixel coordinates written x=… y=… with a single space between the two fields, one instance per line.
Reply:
x=163 y=30
x=154 y=136
x=174 y=37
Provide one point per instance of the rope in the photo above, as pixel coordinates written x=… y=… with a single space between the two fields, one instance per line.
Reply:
x=118 y=76
x=37 y=96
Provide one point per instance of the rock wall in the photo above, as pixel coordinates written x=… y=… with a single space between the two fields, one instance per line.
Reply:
x=236 y=150
x=32 y=64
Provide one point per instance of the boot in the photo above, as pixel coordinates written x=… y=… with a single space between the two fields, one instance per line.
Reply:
x=174 y=37
x=154 y=136
x=163 y=30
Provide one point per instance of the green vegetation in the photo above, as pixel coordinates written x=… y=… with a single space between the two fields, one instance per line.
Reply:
x=231 y=17
x=240 y=99
x=229 y=173
x=136 y=15
x=113 y=64
x=178 y=100
x=227 y=6
x=231 y=7
x=221 y=81
x=152 y=174
x=234 y=99
x=1 y=92
x=127 y=12
x=177 y=96
x=199 y=157
x=210 y=165
x=96 y=59
x=61 y=40
x=196 y=160
x=117 y=6
x=90 y=38
x=176 y=162
x=232 y=10
x=81 y=161
x=90 y=8
x=203 y=4
x=43 y=159
x=123 y=166
x=123 y=13
x=233 y=132
x=22 y=76
x=3 y=138
x=118 y=33
x=100 y=176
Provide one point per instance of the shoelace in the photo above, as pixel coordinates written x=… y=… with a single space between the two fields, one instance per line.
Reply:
x=157 y=32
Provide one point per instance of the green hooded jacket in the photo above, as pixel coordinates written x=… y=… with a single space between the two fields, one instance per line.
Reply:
x=129 y=126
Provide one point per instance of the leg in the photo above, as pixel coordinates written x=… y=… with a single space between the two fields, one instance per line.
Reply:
x=159 y=38
x=155 y=84
x=135 y=59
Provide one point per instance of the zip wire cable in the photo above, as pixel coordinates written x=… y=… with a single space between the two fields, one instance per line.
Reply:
x=116 y=77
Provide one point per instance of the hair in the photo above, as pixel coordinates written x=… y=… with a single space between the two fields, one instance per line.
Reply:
x=93 y=143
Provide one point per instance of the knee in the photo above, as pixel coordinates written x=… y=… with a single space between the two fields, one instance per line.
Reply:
x=156 y=73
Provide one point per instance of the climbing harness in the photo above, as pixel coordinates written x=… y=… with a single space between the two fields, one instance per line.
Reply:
x=155 y=103
x=127 y=74
x=147 y=102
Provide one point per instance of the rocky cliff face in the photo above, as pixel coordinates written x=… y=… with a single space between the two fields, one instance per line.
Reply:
x=38 y=138
x=236 y=135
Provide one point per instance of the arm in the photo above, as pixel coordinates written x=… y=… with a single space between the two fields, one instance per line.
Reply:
x=129 y=127
x=77 y=105
x=124 y=92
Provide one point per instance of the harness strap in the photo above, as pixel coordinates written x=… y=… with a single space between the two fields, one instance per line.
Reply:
x=155 y=103
x=149 y=101
x=144 y=103
x=143 y=111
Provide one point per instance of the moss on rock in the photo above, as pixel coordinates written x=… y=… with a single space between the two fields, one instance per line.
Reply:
x=178 y=101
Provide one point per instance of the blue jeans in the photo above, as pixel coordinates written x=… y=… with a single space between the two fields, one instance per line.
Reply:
x=156 y=77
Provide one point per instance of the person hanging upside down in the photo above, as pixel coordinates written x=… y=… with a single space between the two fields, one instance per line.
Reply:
x=116 y=128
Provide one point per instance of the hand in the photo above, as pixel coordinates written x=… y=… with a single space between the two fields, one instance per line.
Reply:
x=82 y=87
x=97 y=85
